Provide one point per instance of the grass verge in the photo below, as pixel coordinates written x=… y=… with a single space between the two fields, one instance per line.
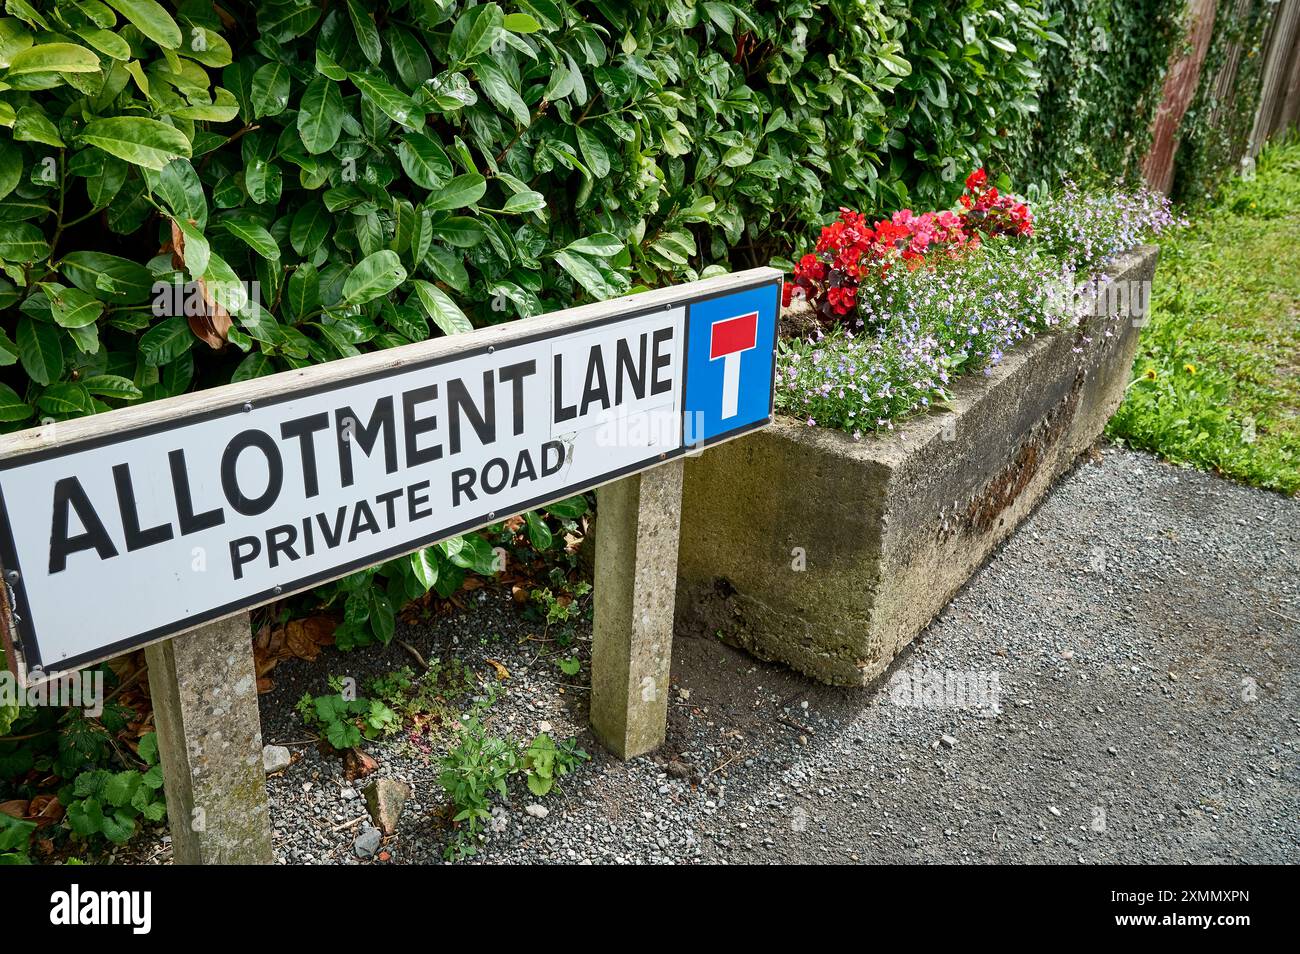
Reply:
x=1216 y=383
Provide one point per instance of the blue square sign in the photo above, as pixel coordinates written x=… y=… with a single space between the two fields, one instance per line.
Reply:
x=729 y=363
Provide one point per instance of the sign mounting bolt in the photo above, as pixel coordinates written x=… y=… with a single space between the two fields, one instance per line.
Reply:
x=13 y=576
x=247 y=407
x=279 y=590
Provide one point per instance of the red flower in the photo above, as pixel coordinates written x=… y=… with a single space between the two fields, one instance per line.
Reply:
x=849 y=251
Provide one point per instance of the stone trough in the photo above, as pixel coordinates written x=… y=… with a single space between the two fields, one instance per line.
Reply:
x=830 y=555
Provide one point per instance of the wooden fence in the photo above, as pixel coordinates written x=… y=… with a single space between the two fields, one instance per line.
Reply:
x=1277 y=106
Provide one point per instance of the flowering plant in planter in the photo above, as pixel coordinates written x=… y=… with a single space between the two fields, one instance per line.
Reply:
x=974 y=282
x=850 y=251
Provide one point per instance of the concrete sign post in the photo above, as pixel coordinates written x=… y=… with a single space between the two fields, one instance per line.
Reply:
x=204 y=694
x=636 y=582
x=134 y=526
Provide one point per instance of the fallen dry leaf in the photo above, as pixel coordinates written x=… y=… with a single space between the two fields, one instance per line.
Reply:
x=45 y=810
x=300 y=638
x=502 y=672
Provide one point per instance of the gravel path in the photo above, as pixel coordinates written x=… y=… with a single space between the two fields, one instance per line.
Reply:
x=1117 y=685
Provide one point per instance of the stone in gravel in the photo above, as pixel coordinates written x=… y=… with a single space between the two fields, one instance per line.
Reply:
x=368 y=842
x=384 y=800
x=357 y=764
x=679 y=769
x=537 y=811
x=275 y=758
x=1054 y=810
x=947 y=741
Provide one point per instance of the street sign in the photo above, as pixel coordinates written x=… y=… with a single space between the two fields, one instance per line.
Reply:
x=137 y=524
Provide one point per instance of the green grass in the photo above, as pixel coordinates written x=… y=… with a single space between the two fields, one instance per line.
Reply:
x=1217 y=378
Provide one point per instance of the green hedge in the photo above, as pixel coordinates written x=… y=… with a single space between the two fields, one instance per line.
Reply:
x=388 y=171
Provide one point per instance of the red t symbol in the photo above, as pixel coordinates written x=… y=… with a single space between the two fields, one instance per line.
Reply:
x=728 y=339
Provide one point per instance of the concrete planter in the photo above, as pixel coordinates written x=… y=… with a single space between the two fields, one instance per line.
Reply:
x=806 y=547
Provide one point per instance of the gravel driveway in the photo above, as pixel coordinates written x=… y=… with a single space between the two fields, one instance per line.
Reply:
x=1117 y=685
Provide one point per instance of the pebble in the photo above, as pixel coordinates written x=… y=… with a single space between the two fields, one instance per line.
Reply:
x=368 y=842
x=275 y=758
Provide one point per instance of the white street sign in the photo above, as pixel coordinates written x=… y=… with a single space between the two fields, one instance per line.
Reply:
x=137 y=524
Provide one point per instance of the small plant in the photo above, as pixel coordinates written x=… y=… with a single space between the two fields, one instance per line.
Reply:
x=471 y=773
x=544 y=762
x=371 y=598
x=426 y=702
x=478 y=769
x=569 y=665
x=73 y=781
x=562 y=606
x=15 y=837
x=343 y=721
x=113 y=804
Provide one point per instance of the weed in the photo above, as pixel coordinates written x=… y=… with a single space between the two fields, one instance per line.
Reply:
x=477 y=769
x=343 y=720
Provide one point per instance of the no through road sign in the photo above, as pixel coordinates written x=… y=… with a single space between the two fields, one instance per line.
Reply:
x=140 y=523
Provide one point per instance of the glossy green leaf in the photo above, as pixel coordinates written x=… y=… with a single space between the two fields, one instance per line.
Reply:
x=255 y=236
x=367 y=35
x=395 y=104
x=474 y=33
x=12 y=407
x=270 y=95
x=444 y=312
x=374 y=276
x=73 y=308
x=423 y=563
x=40 y=350
x=460 y=192
x=320 y=116
x=424 y=161
x=53 y=58
x=151 y=19
x=112 y=386
x=136 y=139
